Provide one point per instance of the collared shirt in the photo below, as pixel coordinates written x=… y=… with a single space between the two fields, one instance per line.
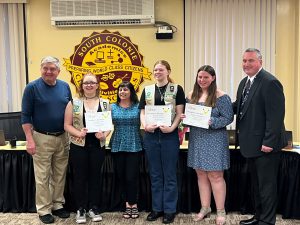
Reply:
x=253 y=77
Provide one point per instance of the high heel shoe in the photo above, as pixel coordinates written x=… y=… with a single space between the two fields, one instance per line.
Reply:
x=221 y=217
x=204 y=213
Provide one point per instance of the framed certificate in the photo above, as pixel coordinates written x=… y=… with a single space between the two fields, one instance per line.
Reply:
x=96 y=121
x=197 y=115
x=158 y=114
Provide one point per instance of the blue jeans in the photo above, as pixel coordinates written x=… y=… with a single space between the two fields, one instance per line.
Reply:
x=162 y=152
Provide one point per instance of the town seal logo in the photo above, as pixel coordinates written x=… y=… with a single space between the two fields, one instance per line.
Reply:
x=113 y=58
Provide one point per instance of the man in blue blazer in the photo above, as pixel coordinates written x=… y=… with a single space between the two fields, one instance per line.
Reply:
x=260 y=109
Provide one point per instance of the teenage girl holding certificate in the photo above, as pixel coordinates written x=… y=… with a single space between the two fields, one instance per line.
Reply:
x=161 y=142
x=86 y=149
x=208 y=148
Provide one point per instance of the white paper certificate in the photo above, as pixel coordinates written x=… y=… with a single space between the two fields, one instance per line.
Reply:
x=95 y=121
x=197 y=115
x=158 y=114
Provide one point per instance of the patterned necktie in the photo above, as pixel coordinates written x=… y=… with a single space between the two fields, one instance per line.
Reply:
x=246 y=92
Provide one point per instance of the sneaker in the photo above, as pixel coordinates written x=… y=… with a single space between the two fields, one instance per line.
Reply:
x=94 y=214
x=81 y=216
x=61 y=213
x=48 y=218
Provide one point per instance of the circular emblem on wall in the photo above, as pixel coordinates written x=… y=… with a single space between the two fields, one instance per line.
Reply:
x=113 y=58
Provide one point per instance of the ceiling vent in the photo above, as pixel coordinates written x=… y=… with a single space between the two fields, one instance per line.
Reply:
x=76 y=13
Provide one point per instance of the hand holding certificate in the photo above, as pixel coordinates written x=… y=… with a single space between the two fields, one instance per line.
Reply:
x=96 y=121
x=158 y=114
x=197 y=115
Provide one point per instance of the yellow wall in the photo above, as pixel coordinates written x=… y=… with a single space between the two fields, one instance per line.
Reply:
x=44 y=39
x=287 y=60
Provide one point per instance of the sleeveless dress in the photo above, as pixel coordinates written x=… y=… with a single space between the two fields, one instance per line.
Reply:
x=209 y=148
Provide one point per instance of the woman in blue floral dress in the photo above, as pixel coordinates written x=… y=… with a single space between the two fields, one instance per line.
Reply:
x=208 y=148
x=126 y=145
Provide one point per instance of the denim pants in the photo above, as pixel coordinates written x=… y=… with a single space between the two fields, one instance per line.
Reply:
x=162 y=152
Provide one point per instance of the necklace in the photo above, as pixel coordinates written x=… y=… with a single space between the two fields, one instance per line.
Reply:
x=90 y=97
x=162 y=93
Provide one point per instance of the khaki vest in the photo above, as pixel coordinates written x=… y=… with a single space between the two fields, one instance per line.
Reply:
x=78 y=118
x=169 y=99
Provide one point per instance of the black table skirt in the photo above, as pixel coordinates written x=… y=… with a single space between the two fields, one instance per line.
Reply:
x=17 y=188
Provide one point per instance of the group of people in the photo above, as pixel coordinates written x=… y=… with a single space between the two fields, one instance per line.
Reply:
x=56 y=134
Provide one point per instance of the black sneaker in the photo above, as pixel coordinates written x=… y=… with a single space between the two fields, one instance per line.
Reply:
x=48 y=218
x=61 y=213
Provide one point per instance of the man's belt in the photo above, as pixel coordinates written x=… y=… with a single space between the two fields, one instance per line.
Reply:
x=56 y=134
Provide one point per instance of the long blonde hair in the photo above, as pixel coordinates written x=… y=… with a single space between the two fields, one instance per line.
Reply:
x=212 y=89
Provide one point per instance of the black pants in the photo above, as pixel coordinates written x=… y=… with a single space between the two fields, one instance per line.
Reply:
x=127 y=166
x=264 y=172
x=86 y=163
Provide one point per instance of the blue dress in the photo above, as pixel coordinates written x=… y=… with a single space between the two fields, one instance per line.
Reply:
x=126 y=136
x=209 y=148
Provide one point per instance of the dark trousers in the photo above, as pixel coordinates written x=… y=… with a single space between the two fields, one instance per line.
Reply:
x=162 y=152
x=264 y=172
x=86 y=163
x=127 y=167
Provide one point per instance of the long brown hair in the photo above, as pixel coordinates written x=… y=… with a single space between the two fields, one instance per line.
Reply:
x=168 y=67
x=212 y=89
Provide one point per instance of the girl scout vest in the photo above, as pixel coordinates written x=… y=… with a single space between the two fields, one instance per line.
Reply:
x=78 y=119
x=169 y=97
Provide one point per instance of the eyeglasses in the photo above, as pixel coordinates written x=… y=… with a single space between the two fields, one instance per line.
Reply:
x=91 y=83
x=51 y=69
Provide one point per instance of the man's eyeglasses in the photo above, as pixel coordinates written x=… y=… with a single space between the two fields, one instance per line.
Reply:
x=51 y=69
x=89 y=83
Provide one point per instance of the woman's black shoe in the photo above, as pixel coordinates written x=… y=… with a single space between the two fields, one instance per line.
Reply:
x=154 y=216
x=168 y=218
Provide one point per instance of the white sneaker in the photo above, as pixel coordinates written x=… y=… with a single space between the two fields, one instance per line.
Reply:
x=81 y=216
x=94 y=215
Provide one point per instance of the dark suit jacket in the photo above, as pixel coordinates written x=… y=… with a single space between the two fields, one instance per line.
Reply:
x=261 y=121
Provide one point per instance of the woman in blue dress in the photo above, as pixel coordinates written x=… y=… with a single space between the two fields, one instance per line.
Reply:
x=126 y=146
x=208 y=148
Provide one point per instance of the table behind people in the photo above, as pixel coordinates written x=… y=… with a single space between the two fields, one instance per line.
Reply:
x=17 y=192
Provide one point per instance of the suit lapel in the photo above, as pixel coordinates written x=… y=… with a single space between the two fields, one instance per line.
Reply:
x=239 y=94
x=253 y=89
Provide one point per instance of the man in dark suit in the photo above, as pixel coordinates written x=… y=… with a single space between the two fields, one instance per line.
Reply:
x=260 y=109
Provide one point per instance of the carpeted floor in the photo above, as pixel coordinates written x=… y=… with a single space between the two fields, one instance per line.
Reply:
x=116 y=218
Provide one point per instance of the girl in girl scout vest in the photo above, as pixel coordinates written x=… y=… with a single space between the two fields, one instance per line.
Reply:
x=86 y=149
x=161 y=142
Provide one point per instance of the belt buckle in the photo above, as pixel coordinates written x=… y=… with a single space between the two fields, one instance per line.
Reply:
x=56 y=134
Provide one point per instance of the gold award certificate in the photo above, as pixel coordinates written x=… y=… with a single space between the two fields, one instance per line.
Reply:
x=96 y=121
x=158 y=114
x=197 y=115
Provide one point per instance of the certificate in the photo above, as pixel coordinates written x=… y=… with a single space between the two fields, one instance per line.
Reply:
x=96 y=121
x=197 y=115
x=158 y=114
